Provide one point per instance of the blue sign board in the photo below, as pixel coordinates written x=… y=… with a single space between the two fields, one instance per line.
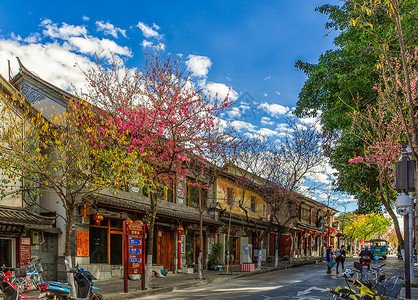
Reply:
x=134 y=242
x=135 y=250
x=134 y=260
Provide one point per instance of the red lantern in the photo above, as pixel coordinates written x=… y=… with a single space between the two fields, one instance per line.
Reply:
x=128 y=221
x=179 y=228
x=98 y=218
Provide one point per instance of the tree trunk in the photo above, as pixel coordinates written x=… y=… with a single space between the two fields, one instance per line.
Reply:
x=395 y=223
x=229 y=243
x=276 y=251
x=259 y=258
x=199 y=265
x=68 y=259
x=199 y=262
x=153 y=213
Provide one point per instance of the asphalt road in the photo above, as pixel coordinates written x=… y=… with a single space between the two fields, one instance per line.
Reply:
x=305 y=282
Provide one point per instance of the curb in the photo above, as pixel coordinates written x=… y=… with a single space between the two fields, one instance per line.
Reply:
x=141 y=293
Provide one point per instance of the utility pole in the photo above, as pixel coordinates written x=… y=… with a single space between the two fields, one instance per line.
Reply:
x=405 y=183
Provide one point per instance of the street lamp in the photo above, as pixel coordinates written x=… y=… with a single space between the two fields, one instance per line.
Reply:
x=405 y=183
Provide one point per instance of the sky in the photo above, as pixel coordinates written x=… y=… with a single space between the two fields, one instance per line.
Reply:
x=246 y=49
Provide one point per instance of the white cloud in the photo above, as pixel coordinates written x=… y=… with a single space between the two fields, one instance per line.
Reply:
x=148 y=32
x=284 y=135
x=265 y=94
x=146 y=44
x=234 y=112
x=221 y=91
x=51 y=62
x=266 y=132
x=266 y=121
x=92 y=45
x=267 y=78
x=109 y=29
x=238 y=125
x=283 y=127
x=160 y=46
x=85 y=18
x=278 y=93
x=255 y=136
x=308 y=121
x=33 y=38
x=274 y=109
x=198 y=65
x=64 y=32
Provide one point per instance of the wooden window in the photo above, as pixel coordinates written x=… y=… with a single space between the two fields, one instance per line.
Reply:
x=253 y=207
x=106 y=242
x=196 y=194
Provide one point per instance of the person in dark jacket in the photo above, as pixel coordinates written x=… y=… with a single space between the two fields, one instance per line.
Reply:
x=340 y=259
x=366 y=256
x=328 y=258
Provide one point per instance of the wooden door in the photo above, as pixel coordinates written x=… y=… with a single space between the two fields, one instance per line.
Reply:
x=165 y=249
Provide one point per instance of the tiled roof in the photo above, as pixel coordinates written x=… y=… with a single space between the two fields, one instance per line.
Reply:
x=21 y=216
x=167 y=209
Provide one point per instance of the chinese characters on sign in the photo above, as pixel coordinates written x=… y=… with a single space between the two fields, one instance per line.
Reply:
x=135 y=236
x=83 y=243
x=11 y=230
x=24 y=250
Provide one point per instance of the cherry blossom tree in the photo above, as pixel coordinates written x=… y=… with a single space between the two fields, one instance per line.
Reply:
x=160 y=113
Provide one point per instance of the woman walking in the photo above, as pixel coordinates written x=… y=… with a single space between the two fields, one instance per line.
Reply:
x=328 y=258
x=340 y=259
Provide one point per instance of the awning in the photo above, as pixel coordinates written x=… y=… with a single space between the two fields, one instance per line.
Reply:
x=14 y=218
x=165 y=209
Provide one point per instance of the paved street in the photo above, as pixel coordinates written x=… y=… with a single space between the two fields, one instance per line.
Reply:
x=306 y=282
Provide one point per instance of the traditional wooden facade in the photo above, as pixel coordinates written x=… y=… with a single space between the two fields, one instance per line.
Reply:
x=232 y=215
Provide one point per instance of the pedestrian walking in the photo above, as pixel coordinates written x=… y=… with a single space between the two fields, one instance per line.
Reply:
x=328 y=258
x=340 y=258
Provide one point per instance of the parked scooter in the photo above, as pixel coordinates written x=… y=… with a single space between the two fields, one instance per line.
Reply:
x=9 y=290
x=84 y=287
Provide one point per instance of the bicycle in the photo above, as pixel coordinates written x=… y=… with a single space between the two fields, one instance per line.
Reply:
x=28 y=276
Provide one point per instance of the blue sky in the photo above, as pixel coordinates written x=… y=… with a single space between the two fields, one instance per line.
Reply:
x=249 y=47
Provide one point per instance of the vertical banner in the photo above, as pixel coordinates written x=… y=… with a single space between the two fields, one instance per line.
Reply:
x=83 y=243
x=24 y=250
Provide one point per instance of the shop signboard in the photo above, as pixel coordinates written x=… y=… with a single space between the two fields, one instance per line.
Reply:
x=8 y=230
x=134 y=263
x=24 y=250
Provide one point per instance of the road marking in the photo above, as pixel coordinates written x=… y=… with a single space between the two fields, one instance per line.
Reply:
x=307 y=291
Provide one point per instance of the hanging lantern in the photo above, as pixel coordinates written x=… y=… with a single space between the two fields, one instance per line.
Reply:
x=179 y=228
x=98 y=218
x=128 y=221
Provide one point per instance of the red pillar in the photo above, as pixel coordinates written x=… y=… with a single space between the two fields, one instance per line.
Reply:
x=179 y=230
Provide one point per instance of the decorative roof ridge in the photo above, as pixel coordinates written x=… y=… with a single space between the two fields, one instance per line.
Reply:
x=24 y=71
x=23 y=209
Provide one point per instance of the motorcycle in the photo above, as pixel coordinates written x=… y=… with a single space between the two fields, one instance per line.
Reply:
x=84 y=287
x=9 y=290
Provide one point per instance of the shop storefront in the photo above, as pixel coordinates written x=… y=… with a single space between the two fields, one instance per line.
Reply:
x=22 y=234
